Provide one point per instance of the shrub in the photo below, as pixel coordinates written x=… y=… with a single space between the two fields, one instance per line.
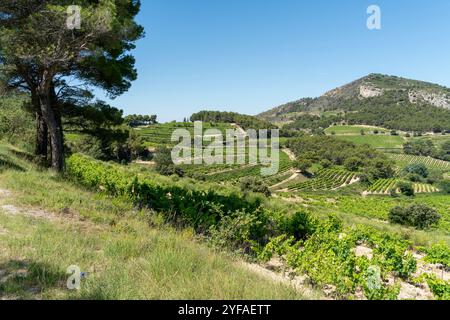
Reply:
x=239 y=231
x=393 y=193
x=325 y=163
x=300 y=225
x=353 y=163
x=417 y=168
x=254 y=184
x=414 y=177
x=406 y=188
x=90 y=146
x=302 y=164
x=164 y=164
x=434 y=176
x=398 y=215
x=445 y=186
x=380 y=168
x=416 y=215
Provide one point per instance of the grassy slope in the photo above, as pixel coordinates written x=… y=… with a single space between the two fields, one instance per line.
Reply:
x=353 y=134
x=127 y=254
x=376 y=141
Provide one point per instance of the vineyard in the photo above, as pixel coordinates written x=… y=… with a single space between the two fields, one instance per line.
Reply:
x=326 y=179
x=235 y=173
x=161 y=134
x=403 y=160
x=384 y=186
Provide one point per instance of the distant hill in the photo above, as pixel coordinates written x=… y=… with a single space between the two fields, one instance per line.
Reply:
x=379 y=100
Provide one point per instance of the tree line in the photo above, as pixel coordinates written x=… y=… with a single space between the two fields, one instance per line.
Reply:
x=136 y=120
x=244 y=121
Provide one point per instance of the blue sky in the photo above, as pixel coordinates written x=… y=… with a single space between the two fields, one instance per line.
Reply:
x=251 y=55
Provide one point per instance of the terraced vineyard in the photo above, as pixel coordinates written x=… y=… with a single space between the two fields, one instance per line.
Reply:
x=245 y=171
x=160 y=134
x=424 y=188
x=404 y=159
x=384 y=186
x=326 y=179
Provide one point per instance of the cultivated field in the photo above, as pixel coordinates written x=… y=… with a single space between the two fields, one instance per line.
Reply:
x=403 y=160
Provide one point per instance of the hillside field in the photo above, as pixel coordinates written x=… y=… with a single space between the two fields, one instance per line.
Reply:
x=382 y=140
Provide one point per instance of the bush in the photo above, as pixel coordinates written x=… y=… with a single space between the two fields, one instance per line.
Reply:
x=300 y=225
x=445 y=186
x=434 y=176
x=254 y=184
x=398 y=215
x=406 y=188
x=164 y=164
x=90 y=146
x=239 y=231
x=302 y=164
x=325 y=163
x=419 y=169
x=416 y=215
x=380 y=168
x=353 y=163
x=414 y=177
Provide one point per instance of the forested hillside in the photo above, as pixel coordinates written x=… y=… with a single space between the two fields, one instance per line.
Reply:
x=390 y=102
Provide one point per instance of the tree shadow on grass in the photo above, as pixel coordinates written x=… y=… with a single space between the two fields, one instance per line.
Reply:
x=23 y=155
x=28 y=280
x=6 y=163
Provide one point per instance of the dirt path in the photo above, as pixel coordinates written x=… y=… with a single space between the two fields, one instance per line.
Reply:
x=290 y=154
x=239 y=128
x=66 y=215
x=14 y=210
x=295 y=175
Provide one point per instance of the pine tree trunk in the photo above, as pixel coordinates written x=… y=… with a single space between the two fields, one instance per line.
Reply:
x=53 y=120
x=41 y=148
x=41 y=136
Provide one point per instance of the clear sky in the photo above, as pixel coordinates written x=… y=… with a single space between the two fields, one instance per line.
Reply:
x=250 y=55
